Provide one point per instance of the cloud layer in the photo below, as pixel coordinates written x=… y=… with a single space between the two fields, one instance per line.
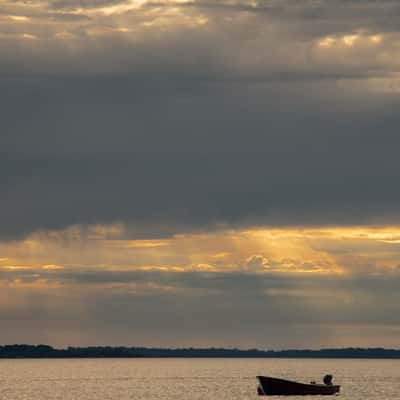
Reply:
x=175 y=116
x=161 y=160
x=231 y=288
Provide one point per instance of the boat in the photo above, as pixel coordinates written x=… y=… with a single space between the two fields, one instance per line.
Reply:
x=281 y=387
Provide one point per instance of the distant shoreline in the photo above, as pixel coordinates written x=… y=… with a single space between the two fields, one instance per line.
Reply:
x=22 y=351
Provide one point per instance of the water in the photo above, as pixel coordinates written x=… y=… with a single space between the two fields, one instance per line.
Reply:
x=212 y=379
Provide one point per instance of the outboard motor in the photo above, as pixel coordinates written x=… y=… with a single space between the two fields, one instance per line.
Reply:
x=328 y=380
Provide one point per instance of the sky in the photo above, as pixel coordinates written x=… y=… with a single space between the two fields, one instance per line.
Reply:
x=200 y=173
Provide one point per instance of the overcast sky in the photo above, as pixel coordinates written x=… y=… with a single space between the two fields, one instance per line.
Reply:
x=203 y=173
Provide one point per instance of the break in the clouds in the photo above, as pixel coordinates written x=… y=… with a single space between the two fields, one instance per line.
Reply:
x=135 y=133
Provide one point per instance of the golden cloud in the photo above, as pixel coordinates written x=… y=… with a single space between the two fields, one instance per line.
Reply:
x=335 y=250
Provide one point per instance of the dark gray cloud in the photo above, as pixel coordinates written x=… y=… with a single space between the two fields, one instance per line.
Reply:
x=240 y=123
x=197 y=308
x=183 y=154
x=307 y=18
x=63 y=4
x=79 y=4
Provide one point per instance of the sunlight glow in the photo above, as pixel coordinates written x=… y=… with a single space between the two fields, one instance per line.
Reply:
x=52 y=267
x=350 y=40
x=148 y=243
x=202 y=20
x=16 y=267
x=326 y=42
x=123 y=30
x=376 y=39
x=121 y=8
x=336 y=233
x=28 y=36
x=19 y=18
x=336 y=251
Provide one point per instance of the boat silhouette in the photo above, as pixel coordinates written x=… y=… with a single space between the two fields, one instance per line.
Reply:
x=281 y=387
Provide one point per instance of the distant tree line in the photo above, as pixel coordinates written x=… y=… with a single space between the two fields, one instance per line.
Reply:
x=44 y=351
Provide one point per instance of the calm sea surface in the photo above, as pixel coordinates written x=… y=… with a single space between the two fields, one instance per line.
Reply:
x=213 y=379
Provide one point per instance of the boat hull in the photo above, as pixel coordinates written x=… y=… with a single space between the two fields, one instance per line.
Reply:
x=282 y=387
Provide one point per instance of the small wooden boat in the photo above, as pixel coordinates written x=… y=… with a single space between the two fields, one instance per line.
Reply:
x=282 y=387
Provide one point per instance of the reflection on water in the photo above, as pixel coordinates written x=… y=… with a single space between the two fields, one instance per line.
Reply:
x=222 y=379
